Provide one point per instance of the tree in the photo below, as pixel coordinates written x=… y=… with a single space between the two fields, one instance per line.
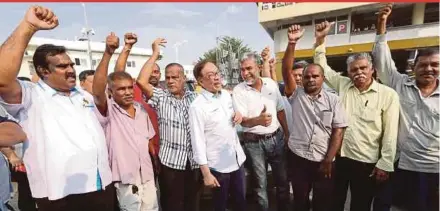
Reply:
x=228 y=47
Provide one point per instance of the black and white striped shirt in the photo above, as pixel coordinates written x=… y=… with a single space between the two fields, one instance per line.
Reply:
x=174 y=132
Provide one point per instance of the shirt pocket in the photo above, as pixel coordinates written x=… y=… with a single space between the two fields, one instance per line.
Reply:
x=327 y=118
x=428 y=121
x=370 y=115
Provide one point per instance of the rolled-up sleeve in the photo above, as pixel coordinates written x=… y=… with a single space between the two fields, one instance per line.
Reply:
x=340 y=119
x=155 y=99
x=384 y=63
x=198 y=140
x=390 y=119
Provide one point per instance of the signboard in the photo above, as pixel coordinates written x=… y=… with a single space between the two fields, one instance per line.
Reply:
x=273 y=5
x=342 y=27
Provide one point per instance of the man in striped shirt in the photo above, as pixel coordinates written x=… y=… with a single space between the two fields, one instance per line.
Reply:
x=179 y=179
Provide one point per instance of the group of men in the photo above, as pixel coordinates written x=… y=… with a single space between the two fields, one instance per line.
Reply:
x=103 y=146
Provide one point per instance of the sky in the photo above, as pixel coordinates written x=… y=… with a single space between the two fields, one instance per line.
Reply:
x=195 y=22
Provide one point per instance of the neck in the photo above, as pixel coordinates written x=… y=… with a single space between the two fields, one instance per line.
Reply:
x=314 y=93
x=258 y=83
x=427 y=89
x=363 y=87
x=63 y=92
x=179 y=95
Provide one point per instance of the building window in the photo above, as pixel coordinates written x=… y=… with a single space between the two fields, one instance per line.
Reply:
x=94 y=62
x=431 y=13
x=131 y=64
x=77 y=61
x=84 y=62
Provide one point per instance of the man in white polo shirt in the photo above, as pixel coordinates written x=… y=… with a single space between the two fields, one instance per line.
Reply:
x=66 y=155
x=261 y=104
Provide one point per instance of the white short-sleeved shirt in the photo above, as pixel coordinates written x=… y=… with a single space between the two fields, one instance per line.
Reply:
x=66 y=145
x=250 y=102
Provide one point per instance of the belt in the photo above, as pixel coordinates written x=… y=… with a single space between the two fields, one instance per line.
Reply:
x=252 y=137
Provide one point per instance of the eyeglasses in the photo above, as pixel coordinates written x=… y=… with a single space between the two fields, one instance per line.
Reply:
x=213 y=75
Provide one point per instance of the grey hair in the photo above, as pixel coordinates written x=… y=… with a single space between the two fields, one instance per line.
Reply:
x=252 y=56
x=359 y=56
x=300 y=64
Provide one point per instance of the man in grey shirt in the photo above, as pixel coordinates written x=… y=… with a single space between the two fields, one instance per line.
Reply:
x=418 y=138
x=317 y=131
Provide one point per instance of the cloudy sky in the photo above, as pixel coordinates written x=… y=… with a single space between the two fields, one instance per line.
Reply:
x=194 y=22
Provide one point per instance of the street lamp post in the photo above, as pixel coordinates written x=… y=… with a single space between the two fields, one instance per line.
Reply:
x=176 y=48
x=87 y=31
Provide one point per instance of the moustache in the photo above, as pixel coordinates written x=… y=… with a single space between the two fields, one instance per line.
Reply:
x=70 y=75
x=359 y=76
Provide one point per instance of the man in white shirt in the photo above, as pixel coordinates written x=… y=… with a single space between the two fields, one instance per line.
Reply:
x=260 y=102
x=214 y=139
x=66 y=154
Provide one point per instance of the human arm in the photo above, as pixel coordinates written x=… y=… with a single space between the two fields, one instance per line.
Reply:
x=144 y=76
x=10 y=133
x=12 y=50
x=129 y=40
x=294 y=33
x=383 y=62
x=265 y=55
x=332 y=77
x=100 y=79
x=390 y=119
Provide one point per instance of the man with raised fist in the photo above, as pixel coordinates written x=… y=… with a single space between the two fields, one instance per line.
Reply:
x=417 y=174
x=119 y=115
x=180 y=176
x=317 y=131
x=66 y=154
x=369 y=144
x=260 y=102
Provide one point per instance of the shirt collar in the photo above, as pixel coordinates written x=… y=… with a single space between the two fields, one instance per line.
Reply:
x=319 y=95
x=248 y=87
x=136 y=105
x=373 y=87
x=411 y=81
x=210 y=95
x=52 y=92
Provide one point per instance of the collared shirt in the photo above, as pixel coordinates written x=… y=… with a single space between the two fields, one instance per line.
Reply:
x=371 y=136
x=138 y=97
x=127 y=140
x=66 y=145
x=250 y=102
x=213 y=136
x=315 y=117
x=175 y=136
x=288 y=112
x=419 y=130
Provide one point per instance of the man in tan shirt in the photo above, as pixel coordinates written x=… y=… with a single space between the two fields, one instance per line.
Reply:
x=369 y=144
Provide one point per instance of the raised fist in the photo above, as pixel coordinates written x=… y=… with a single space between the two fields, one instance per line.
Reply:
x=265 y=54
x=322 y=29
x=41 y=18
x=294 y=33
x=384 y=12
x=130 y=38
x=111 y=43
x=157 y=43
x=272 y=64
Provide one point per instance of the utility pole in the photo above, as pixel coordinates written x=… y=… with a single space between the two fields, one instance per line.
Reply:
x=87 y=32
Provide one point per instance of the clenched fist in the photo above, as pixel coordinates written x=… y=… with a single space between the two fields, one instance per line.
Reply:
x=111 y=43
x=41 y=18
x=294 y=33
x=265 y=54
x=322 y=29
x=385 y=12
x=265 y=119
x=157 y=43
x=130 y=39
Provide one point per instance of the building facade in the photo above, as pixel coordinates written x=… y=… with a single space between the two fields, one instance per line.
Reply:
x=411 y=26
x=77 y=50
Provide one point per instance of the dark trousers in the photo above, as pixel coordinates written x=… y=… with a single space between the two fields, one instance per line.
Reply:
x=385 y=191
x=180 y=189
x=362 y=187
x=417 y=191
x=25 y=200
x=98 y=200
x=230 y=183
x=305 y=176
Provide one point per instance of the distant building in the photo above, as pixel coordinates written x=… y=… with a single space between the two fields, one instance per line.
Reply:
x=77 y=50
x=411 y=26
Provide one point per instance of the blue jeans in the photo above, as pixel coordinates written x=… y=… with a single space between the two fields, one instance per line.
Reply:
x=230 y=184
x=271 y=151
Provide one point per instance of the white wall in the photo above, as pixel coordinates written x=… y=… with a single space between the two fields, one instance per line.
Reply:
x=399 y=33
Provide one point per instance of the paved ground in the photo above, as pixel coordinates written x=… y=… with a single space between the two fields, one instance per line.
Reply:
x=206 y=204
